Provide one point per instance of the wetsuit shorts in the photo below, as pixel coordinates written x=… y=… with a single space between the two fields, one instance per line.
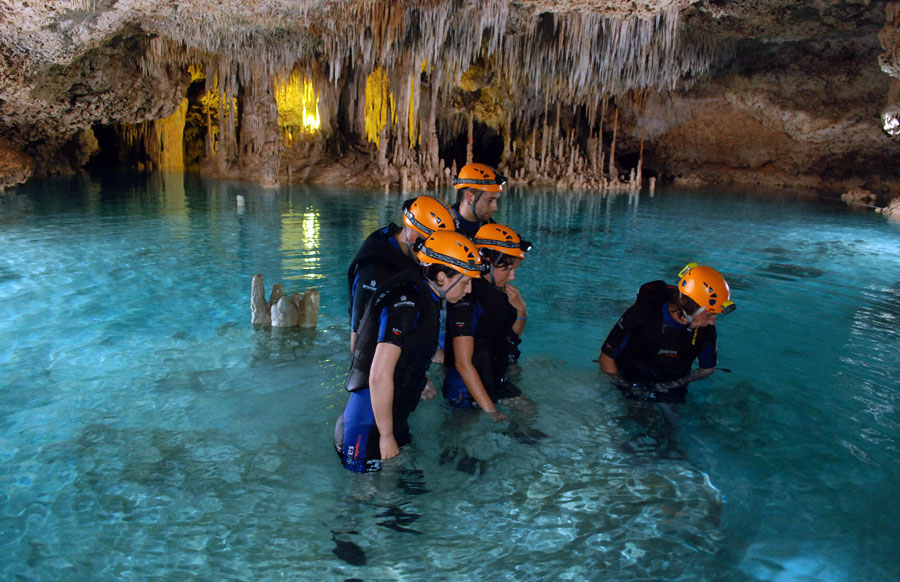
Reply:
x=356 y=435
x=458 y=395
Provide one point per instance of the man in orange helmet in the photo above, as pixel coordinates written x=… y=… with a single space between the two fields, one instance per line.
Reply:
x=650 y=351
x=478 y=191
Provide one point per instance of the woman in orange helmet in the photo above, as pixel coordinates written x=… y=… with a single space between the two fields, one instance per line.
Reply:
x=398 y=335
x=483 y=328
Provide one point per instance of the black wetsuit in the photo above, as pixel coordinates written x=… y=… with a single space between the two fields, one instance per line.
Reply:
x=378 y=258
x=406 y=313
x=486 y=315
x=467 y=227
x=650 y=347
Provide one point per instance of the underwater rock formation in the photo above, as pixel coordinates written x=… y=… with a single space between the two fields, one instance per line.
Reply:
x=282 y=310
x=578 y=93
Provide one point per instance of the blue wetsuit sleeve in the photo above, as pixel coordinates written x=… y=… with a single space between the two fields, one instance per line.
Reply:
x=397 y=320
x=619 y=335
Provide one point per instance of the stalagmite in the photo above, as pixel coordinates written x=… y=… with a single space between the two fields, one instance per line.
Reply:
x=282 y=310
x=613 y=173
x=640 y=165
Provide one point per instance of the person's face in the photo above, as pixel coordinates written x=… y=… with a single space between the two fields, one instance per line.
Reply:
x=505 y=274
x=456 y=287
x=487 y=204
x=703 y=319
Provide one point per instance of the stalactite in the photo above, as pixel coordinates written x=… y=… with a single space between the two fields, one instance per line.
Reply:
x=579 y=61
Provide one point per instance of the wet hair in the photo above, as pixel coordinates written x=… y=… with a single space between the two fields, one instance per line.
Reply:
x=496 y=258
x=431 y=271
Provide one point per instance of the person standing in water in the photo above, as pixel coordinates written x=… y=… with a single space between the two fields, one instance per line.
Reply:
x=478 y=192
x=398 y=335
x=388 y=250
x=483 y=328
x=650 y=351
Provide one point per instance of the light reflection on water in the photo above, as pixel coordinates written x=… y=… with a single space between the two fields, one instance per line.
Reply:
x=148 y=430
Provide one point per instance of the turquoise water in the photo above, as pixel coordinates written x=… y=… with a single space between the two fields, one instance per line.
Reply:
x=148 y=431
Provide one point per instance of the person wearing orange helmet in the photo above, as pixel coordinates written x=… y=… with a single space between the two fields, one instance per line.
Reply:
x=478 y=191
x=397 y=336
x=649 y=352
x=389 y=250
x=483 y=328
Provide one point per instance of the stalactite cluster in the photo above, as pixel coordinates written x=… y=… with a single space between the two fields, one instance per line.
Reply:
x=414 y=78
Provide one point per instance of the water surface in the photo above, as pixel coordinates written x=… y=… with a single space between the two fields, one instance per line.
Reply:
x=149 y=431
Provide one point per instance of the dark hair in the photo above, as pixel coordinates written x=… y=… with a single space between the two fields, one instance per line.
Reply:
x=431 y=271
x=496 y=258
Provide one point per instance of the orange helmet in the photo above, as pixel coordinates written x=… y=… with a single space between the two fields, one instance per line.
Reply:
x=501 y=239
x=449 y=248
x=480 y=177
x=426 y=215
x=707 y=287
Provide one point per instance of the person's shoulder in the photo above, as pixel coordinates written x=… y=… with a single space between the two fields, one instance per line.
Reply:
x=400 y=290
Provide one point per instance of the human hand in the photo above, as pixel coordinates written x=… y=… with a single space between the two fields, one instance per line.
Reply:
x=388 y=446
x=497 y=416
x=438 y=357
x=515 y=298
x=429 y=391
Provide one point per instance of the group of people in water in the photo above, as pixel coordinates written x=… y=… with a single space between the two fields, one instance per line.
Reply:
x=438 y=289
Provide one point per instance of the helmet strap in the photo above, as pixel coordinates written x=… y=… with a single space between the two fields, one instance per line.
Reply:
x=472 y=204
x=442 y=293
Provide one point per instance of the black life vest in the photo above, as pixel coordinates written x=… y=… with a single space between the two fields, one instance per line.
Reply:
x=377 y=248
x=494 y=340
x=656 y=351
x=417 y=351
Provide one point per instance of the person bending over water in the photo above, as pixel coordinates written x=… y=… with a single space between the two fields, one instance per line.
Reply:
x=478 y=191
x=388 y=250
x=650 y=351
x=398 y=335
x=483 y=328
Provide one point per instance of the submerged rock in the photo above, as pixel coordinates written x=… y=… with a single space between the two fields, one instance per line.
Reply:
x=281 y=310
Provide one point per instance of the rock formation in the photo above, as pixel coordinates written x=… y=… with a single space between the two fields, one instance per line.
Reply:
x=282 y=310
x=396 y=94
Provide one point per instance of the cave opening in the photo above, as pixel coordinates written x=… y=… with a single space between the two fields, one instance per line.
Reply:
x=487 y=146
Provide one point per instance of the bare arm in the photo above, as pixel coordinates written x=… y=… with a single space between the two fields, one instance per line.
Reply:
x=515 y=299
x=463 y=348
x=696 y=374
x=381 y=389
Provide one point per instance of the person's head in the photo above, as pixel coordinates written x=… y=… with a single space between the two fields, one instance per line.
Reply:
x=503 y=250
x=478 y=190
x=451 y=261
x=424 y=215
x=702 y=294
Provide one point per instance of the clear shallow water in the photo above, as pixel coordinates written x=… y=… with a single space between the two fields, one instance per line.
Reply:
x=148 y=431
